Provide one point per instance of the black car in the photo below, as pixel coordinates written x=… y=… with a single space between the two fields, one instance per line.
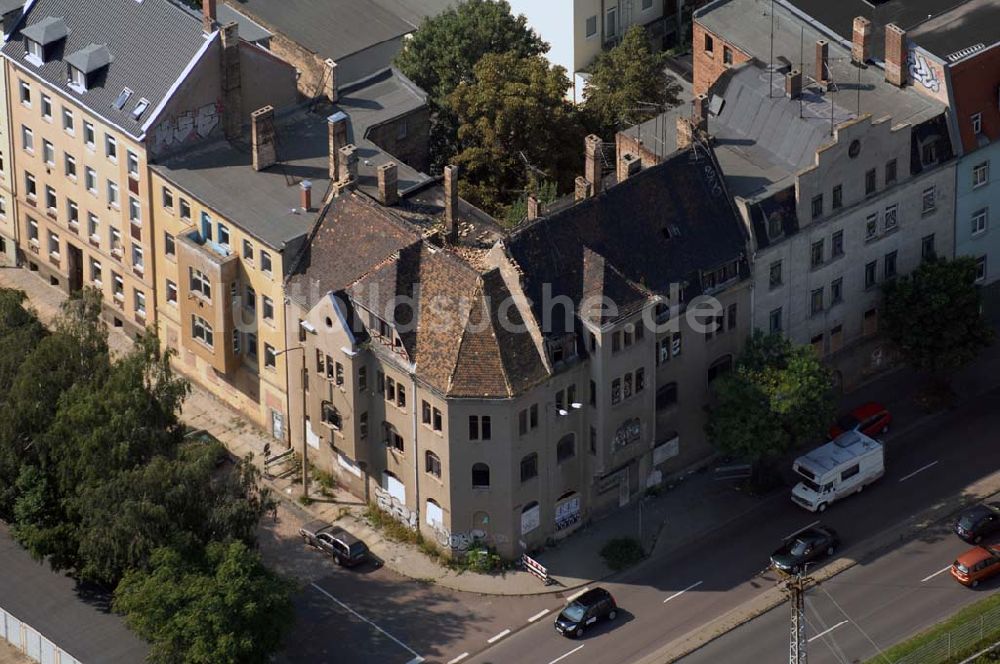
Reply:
x=805 y=547
x=345 y=548
x=585 y=610
x=978 y=522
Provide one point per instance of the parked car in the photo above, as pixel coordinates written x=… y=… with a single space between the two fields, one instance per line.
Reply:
x=584 y=610
x=977 y=522
x=976 y=565
x=872 y=419
x=342 y=546
x=804 y=547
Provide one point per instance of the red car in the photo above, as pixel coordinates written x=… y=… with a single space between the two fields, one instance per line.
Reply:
x=976 y=565
x=871 y=419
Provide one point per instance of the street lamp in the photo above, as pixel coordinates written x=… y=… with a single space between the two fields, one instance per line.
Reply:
x=305 y=433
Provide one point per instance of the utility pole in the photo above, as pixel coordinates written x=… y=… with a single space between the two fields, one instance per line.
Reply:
x=796 y=587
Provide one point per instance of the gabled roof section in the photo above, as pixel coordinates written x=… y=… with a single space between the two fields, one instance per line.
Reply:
x=148 y=45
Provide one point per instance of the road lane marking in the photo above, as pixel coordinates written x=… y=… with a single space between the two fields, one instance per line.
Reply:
x=827 y=631
x=940 y=571
x=562 y=657
x=416 y=657
x=681 y=592
x=919 y=470
x=459 y=658
x=814 y=523
x=538 y=615
x=577 y=594
x=498 y=636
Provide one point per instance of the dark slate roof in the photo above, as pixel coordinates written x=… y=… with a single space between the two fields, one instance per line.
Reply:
x=414 y=11
x=967 y=29
x=780 y=206
x=143 y=60
x=617 y=242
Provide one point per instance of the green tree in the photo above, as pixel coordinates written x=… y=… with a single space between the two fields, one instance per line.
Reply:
x=445 y=49
x=223 y=607
x=628 y=84
x=779 y=395
x=933 y=316
x=514 y=124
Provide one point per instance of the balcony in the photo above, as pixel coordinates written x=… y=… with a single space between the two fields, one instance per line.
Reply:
x=195 y=237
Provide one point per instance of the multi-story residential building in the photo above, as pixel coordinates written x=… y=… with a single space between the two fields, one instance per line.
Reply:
x=844 y=176
x=8 y=203
x=230 y=218
x=507 y=386
x=960 y=67
x=90 y=104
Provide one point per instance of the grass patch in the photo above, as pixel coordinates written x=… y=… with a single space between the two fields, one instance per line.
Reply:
x=939 y=631
x=392 y=528
x=327 y=483
x=622 y=552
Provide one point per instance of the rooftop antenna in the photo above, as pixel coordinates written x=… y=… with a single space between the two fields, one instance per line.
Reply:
x=802 y=59
x=770 y=63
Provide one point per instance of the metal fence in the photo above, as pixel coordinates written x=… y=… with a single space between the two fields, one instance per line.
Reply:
x=31 y=642
x=956 y=641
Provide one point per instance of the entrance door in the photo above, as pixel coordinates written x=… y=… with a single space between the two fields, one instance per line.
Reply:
x=75 y=266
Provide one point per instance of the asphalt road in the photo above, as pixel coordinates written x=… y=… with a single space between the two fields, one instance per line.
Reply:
x=723 y=570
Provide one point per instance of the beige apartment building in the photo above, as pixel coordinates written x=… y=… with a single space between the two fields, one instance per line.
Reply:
x=467 y=378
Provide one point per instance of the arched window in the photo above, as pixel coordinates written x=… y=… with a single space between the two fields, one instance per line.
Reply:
x=435 y=515
x=529 y=467
x=432 y=464
x=530 y=517
x=721 y=366
x=480 y=476
x=566 y=448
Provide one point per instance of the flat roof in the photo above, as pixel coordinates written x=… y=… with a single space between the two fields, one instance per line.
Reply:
x=965 y=30
x=250 y=30
x=847 y=446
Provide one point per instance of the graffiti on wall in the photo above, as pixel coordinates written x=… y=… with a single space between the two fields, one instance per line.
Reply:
x=567 y=513
x=923 y=72
x=461 y=542
x=180 y=128
x=396 y=508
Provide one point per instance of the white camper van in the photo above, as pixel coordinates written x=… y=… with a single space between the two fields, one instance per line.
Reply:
x=839 y=468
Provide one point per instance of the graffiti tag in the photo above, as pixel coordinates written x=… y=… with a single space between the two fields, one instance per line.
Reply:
x=396 y=508
x=922 y=72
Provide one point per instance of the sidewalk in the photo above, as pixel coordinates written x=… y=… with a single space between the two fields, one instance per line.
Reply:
x=686 y=509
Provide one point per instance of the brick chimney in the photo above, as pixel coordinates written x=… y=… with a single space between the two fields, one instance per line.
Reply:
x=628 y=165
x=895 y=55
x=699 y=112
x=262 y=138
x=822 y=74
x=685 y=133
x=330 y=78
x=592 y=167
x=232 y=87
x=581 y=188
x=208 y=15
x=388 y=184
x=347 y=166
x=451 y=201
x=305 y=195
x=336 y=126
x=793 y=84
x=861 y=41
x=534 y=208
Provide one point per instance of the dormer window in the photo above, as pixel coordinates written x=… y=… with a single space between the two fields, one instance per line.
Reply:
x=77 y=79
x=85 y=65
x=35 y=54
x=40 y=37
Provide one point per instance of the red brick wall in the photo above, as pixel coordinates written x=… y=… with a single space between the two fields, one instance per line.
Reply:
x=709 y=65
x=975 y=86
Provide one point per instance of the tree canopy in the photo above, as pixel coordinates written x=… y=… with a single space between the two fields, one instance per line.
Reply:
x=933 y=316
x=628 y=84
x=779 y=396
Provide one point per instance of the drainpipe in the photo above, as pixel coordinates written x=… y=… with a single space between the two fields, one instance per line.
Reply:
x=416 y=450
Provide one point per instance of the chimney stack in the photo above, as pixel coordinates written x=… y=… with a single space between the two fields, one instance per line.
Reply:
x=699 y=112
x=685 y=133
x=208 y=15
x=793 y=84
x=232 y=87
x=533 y=207
x=336 y=126
x=262 y=138
x=861 y=42
x=822 y=74
x=330 y=86
x=451 y=202
x=388 y=184
x=581 y=189
x=592 y=167
x=306 y=194
x=347 y=158
x=628 y=165
x=895 y=55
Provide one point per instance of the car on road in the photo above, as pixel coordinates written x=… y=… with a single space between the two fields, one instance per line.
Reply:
x=872 y=419
x=977 y=522
x=345 y=549
x=584 y=610
x=805 y=546
x=976 y=565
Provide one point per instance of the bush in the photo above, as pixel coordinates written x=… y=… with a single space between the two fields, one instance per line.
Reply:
x=393 y=529
x=482 y=559
x=622 y=552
